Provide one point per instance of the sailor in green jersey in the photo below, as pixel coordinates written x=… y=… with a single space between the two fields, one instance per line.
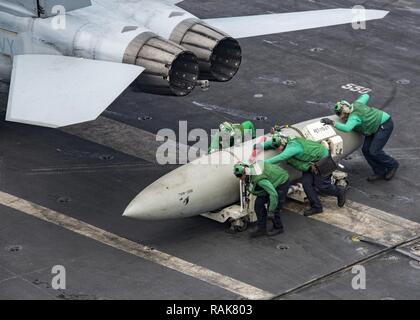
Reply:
x=231 y=134
x=270 y=184
x=376 y=125
x=302 y=154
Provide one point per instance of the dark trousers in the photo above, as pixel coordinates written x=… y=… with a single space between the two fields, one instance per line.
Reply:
x=372 y=149
x=312 y=182
x=261 y=210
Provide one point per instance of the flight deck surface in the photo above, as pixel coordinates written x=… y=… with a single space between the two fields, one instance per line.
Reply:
x=83 y=174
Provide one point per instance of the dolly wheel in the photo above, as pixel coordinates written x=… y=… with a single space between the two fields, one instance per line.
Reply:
x=239 y=225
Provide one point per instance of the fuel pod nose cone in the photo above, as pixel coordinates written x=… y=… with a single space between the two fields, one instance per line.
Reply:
x=201 y=186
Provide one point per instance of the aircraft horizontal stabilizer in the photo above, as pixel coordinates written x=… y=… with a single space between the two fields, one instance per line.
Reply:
x=57 y=91
x=252 y=26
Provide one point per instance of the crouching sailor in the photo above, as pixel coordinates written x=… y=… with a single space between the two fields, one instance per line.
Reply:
x=303 y=154
x=270 y=184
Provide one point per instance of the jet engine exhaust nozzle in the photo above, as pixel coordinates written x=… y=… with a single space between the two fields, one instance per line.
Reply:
x=219 y=55
x=170 y=69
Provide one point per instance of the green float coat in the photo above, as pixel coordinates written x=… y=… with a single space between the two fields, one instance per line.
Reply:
x=299 y=153
x=364 y=119
x=266 y=182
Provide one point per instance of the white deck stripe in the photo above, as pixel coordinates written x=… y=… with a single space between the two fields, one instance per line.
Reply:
x=378 y=225
x=237 y=287
x=118 y=136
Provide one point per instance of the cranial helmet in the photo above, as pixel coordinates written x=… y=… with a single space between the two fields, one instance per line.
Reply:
x=227 y=128
x=239 y=169
x=343 y=106
x=279 y=140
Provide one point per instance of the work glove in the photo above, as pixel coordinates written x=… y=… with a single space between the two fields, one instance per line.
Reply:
x=274 y=129
x=328 y=121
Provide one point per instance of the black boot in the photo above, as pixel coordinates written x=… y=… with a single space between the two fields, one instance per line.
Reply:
x=258 y=232
x=275 y=231
x=375 y=177
x=311 y=212
x=274 y=227
x=391 y=173
x=341 y=197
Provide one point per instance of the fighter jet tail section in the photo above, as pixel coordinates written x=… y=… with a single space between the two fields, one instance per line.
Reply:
x=57 y=91
x=239 y=27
